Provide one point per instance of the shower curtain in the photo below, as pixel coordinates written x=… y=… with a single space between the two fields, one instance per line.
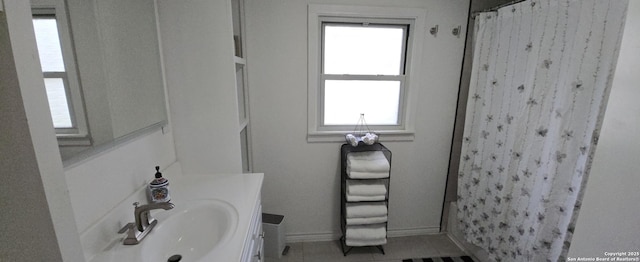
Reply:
x=540 y=79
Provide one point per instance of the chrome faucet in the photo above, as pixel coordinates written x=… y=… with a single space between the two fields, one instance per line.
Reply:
x=143 y=222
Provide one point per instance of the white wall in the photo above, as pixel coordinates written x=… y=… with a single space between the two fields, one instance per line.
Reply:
x=197 y=45
x=54 y=211
x=117 y=56
x=91 y=69
x=37 y=221
x=301 y=178
x=98 y=185
x=608 y=220
x=131 y=54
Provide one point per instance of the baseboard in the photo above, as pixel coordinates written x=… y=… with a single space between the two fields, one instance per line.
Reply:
x=413 y=232
x=314 y=237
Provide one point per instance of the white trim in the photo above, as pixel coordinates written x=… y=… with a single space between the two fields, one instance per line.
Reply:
x=404 y=132
x=166 y=128
x=363 y=77
x=413 y=232
x=73 y=140
x=243 y=124
x=70 y=75
x=118 y=142
x=242 y=61
x=316 y=237
x=338 y=136
x=239 y=60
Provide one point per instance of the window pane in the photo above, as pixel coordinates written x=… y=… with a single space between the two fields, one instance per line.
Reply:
x=48 y=42
x=58 y=103
x=345 y=100
x=362 y=50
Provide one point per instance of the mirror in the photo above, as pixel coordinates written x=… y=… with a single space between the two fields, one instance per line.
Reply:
x=112 y=75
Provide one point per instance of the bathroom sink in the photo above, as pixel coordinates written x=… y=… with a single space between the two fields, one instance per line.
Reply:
x=192 y=230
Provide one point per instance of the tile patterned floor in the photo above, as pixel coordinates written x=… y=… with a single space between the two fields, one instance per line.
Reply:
x=396 y=250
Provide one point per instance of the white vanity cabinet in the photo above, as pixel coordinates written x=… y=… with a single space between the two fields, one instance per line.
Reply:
x=254 y=242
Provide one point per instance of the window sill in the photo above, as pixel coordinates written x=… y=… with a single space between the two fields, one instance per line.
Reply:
x=73 y=140
x=338 y=136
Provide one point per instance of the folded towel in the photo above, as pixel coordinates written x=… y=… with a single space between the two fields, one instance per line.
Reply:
x=356 y=210
x=351 y=198
x=366 y=232
x=366 y=155
x=366 y=187
x=365 y=242
x=367 y=175
x=367 y=162
x=366 y=220
x=368 y=166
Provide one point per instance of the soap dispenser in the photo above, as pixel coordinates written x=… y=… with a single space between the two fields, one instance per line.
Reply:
x=159 y=188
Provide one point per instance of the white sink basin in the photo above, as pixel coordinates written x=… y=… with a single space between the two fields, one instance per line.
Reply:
x=191 y=230
x=210 y=222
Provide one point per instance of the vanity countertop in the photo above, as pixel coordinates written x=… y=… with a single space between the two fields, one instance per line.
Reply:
x=242 y=191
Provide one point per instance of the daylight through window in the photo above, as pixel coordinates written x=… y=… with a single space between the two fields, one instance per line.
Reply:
x=53 y=69
x=363 y=72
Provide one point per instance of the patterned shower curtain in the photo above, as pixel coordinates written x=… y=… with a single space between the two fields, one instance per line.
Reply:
x=541 y=74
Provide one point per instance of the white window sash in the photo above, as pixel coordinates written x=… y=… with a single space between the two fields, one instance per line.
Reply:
x=378 y=23
x=79 y=133
x=401 y=107
x=317 y=14
x=403 y=24
x=401 y=113
x=65 y=83
x=363 y=77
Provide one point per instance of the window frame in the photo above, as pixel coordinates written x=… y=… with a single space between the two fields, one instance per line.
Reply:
x=78 y=134
x=406 y=25
x=414 y=18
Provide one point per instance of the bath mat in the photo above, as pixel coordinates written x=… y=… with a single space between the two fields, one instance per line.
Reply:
x=440 y=259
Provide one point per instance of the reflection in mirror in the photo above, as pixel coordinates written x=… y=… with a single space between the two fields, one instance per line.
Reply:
x=102 y=72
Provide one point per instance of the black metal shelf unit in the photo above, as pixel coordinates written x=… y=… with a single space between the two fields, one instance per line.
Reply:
x=345 y=150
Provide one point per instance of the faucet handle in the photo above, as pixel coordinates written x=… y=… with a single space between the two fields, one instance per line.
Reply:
x=126 y=228
x=135 y=204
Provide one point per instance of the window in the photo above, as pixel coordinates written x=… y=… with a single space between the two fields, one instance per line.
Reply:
x=360 y=62
x=362 y=72
x=60 y=79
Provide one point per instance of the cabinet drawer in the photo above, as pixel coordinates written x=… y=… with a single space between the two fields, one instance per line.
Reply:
x=252 y=251
x=256 y=223
x=258 y=254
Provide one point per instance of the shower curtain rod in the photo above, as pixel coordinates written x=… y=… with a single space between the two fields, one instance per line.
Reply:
x=476 y=13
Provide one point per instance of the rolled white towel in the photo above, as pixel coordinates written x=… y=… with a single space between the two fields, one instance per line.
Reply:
x=365 y=242
x=367 y=175
x=366 y=232
x=370 y=138
x=352 y=140
x=366 y=220
x=366 y=187
x=357 y=210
